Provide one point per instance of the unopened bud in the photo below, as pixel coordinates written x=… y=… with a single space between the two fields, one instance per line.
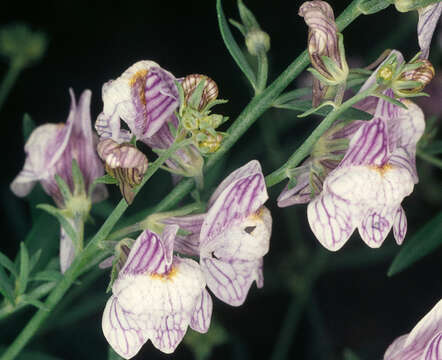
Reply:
x=209 y=143
x=385 y=74
x=125 y=163
x=409 y=5
x=423 y=75
x=257 y=41
x=209 y=92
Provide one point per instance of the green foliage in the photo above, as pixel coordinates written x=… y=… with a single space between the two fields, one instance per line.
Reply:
x=202 y=345
x=231 y=44
x=28 y=126
x=422 y=243
x=24 y=270
x=350 y=355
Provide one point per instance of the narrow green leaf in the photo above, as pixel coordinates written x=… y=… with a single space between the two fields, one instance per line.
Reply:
x=34 y=302
x=8 y=264
x=391 y=100
x=63 y=187
x=78 y=178
x=305 y=105
x=47 y=275
x=6 y=289
x=423 y=242
x=233 y=47
x=70 y=231
x=24 y=269
x=34 y=260
x=28 y=126
x=106 y=179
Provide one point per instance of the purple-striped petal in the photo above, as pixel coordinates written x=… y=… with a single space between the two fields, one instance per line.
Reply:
x=434 y=348
x=188 y=244
x=168 y=331
x=300 y=193
x=423 y=342
x=144 y=97
x=242 y=193
x=203 y=312
x=400 y=225
x=230 y=281
x=150 y=254
x=369 y=146
x=121 y=329
x=428 y=19
x=332 y=220
x=375 y=226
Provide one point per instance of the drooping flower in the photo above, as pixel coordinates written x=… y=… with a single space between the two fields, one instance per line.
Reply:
x=50 y=150
x=428 y=19
x=145 y=96
x=235 y=234
x=155 y=297
x=366 y=190
x=125 y=163
x=424 y=342
x=324 y=48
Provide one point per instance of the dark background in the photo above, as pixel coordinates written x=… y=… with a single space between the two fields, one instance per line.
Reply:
x=355 y=307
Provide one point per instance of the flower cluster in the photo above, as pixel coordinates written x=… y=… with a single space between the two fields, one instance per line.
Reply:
x=157 y=295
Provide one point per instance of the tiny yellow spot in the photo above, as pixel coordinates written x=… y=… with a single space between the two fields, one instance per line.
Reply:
x=257 y=215
x=382 y=169
x=165 y=277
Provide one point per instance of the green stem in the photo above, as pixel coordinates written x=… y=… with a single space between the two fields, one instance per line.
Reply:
x=297 y=305
x=89 y=253
x=255 y=108
x=9 y=80
x=263 y=71
x=282 y=173
x=429 y=158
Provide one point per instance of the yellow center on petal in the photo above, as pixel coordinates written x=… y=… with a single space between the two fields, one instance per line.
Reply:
x=257 y=215
x=139 y=76
x=165 y=277
x=382 y=169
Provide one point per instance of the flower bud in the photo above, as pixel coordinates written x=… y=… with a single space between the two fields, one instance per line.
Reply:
x=125 y=163
x=409 y=5
x=422 y=75
x=385 y=74
x=209 y=143
x=257 y=41
x=209 y=91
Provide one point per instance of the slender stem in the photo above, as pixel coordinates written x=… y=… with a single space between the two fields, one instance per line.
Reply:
x=296 y=307
x=280 y=174
x=121 y=233
x=429 y=158
x=89 y=253
x=256 y=107
x=263 y=71
x=8 y=81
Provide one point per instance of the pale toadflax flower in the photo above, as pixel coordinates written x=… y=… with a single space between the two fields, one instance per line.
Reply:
x=428 y=19
x=50 y=150
x=235 y=234
x=144 y=97
x=366 y=190
x=156 y=297
x=125 y=163
x=424 y=342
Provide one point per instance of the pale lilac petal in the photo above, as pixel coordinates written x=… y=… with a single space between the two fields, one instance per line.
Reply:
x=146 y=256
x=434 y=348
x=400 y=225
x=401 y=158
x=110 y=127
x=332 y=220
x=386 y=110
x=243 y=193
x=121 y=329
x=299 y=194
x=168 y=331
x=230 y=281
x=260 y=279
x=375 y=226
x=67 y=250
x=369 y=145
x=188 y=244
x=251 y=168
x=107 y=263
x=395 y=349
x=428 y=19
x=23 y=183
x=168 y=237
x=426 y=328
x=203 y=312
